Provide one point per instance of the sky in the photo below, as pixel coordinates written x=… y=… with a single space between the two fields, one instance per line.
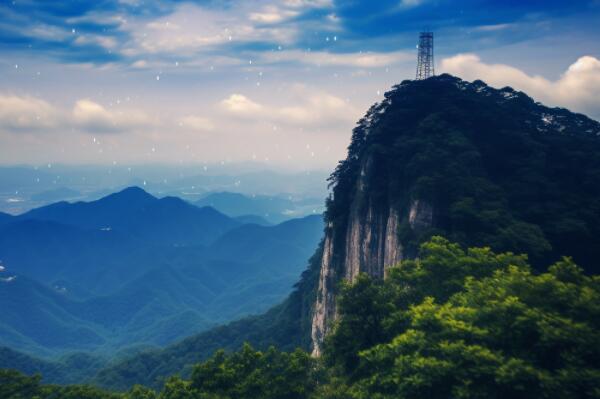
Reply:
x=279 y=83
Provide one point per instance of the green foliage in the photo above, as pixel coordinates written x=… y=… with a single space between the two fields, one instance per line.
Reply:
x=470 y=324
x=373 y=310
x=254 y=374
x=495 y=172
x=14 y=385
x=453 y=323
x=246 y=373
x=140 y=392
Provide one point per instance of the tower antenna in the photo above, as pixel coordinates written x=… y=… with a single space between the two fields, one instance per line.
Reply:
x=425 y=56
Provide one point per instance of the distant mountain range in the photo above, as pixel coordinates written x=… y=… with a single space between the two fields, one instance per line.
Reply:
x=26 y=187
x=134 y=270
x=274 y=209
x=57 y=194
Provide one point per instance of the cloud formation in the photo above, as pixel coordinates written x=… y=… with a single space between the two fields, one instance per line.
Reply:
x=197 y=123
x=308 y=108
x=212 y=79
x=92 y=117
x=577 y=88
x=324 y=58
x=26 y=114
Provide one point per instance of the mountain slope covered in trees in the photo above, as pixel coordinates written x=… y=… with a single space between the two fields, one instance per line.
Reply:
x=70 y=283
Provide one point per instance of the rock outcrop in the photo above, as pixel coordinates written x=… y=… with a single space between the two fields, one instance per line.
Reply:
x=370 y=245
x=479 y=165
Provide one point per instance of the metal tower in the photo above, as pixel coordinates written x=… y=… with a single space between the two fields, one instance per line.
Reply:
x=425 y=56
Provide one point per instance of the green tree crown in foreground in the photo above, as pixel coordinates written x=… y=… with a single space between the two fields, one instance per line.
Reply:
x=453 y=323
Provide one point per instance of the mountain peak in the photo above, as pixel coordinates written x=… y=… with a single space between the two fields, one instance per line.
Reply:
x=482 y=166
x=134 y=194
x=444 y=91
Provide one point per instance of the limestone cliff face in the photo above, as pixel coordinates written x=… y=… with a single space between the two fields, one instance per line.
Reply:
x=367 y=243
x=365 y=238
x=370 y=245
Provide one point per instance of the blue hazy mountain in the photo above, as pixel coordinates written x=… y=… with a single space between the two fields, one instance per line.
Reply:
x=57 y=194
x=5 y=218
x=274 y=209
x=134 y=270
x=252 y=219
x=134 y=211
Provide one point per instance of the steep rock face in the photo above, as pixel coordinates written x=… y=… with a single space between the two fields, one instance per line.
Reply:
x=366 y=242
x=371 y=245
x=481 y=166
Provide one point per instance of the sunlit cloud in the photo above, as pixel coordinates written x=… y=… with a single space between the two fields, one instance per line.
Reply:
x=239 y=104
x=272 y=14
x=577 y=88
x=25 y=113
x=93 y=117
x=323 y=58
x=196 y=28
x=306 y=107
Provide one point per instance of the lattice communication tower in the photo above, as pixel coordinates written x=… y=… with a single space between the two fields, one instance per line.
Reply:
x=425 y=56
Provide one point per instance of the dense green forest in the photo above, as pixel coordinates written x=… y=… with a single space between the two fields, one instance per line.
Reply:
x=451 y=323
x=497 y=168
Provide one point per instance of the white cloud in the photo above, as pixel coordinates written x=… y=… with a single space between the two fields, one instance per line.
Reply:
x=26 y=113
x=193 y=28
x=103 y=41
x=140 y=64
x=47 y=32
x=241 y=105
x=577 y=88
x=492 y=28
x=272 y=14
x=306 y=108
x=309 y=3
x=93 y=117
x=196 y=123
x=323 y=58
x=319 y=108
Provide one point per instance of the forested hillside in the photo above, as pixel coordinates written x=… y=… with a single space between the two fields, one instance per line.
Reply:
x=453 y=323
x=479 y=165
x=96 y=277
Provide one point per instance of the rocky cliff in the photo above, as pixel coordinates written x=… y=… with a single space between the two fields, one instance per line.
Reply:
x=445 y=156
x=370 y=245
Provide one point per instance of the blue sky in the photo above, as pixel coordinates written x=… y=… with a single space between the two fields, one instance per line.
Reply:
x=278 y=82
